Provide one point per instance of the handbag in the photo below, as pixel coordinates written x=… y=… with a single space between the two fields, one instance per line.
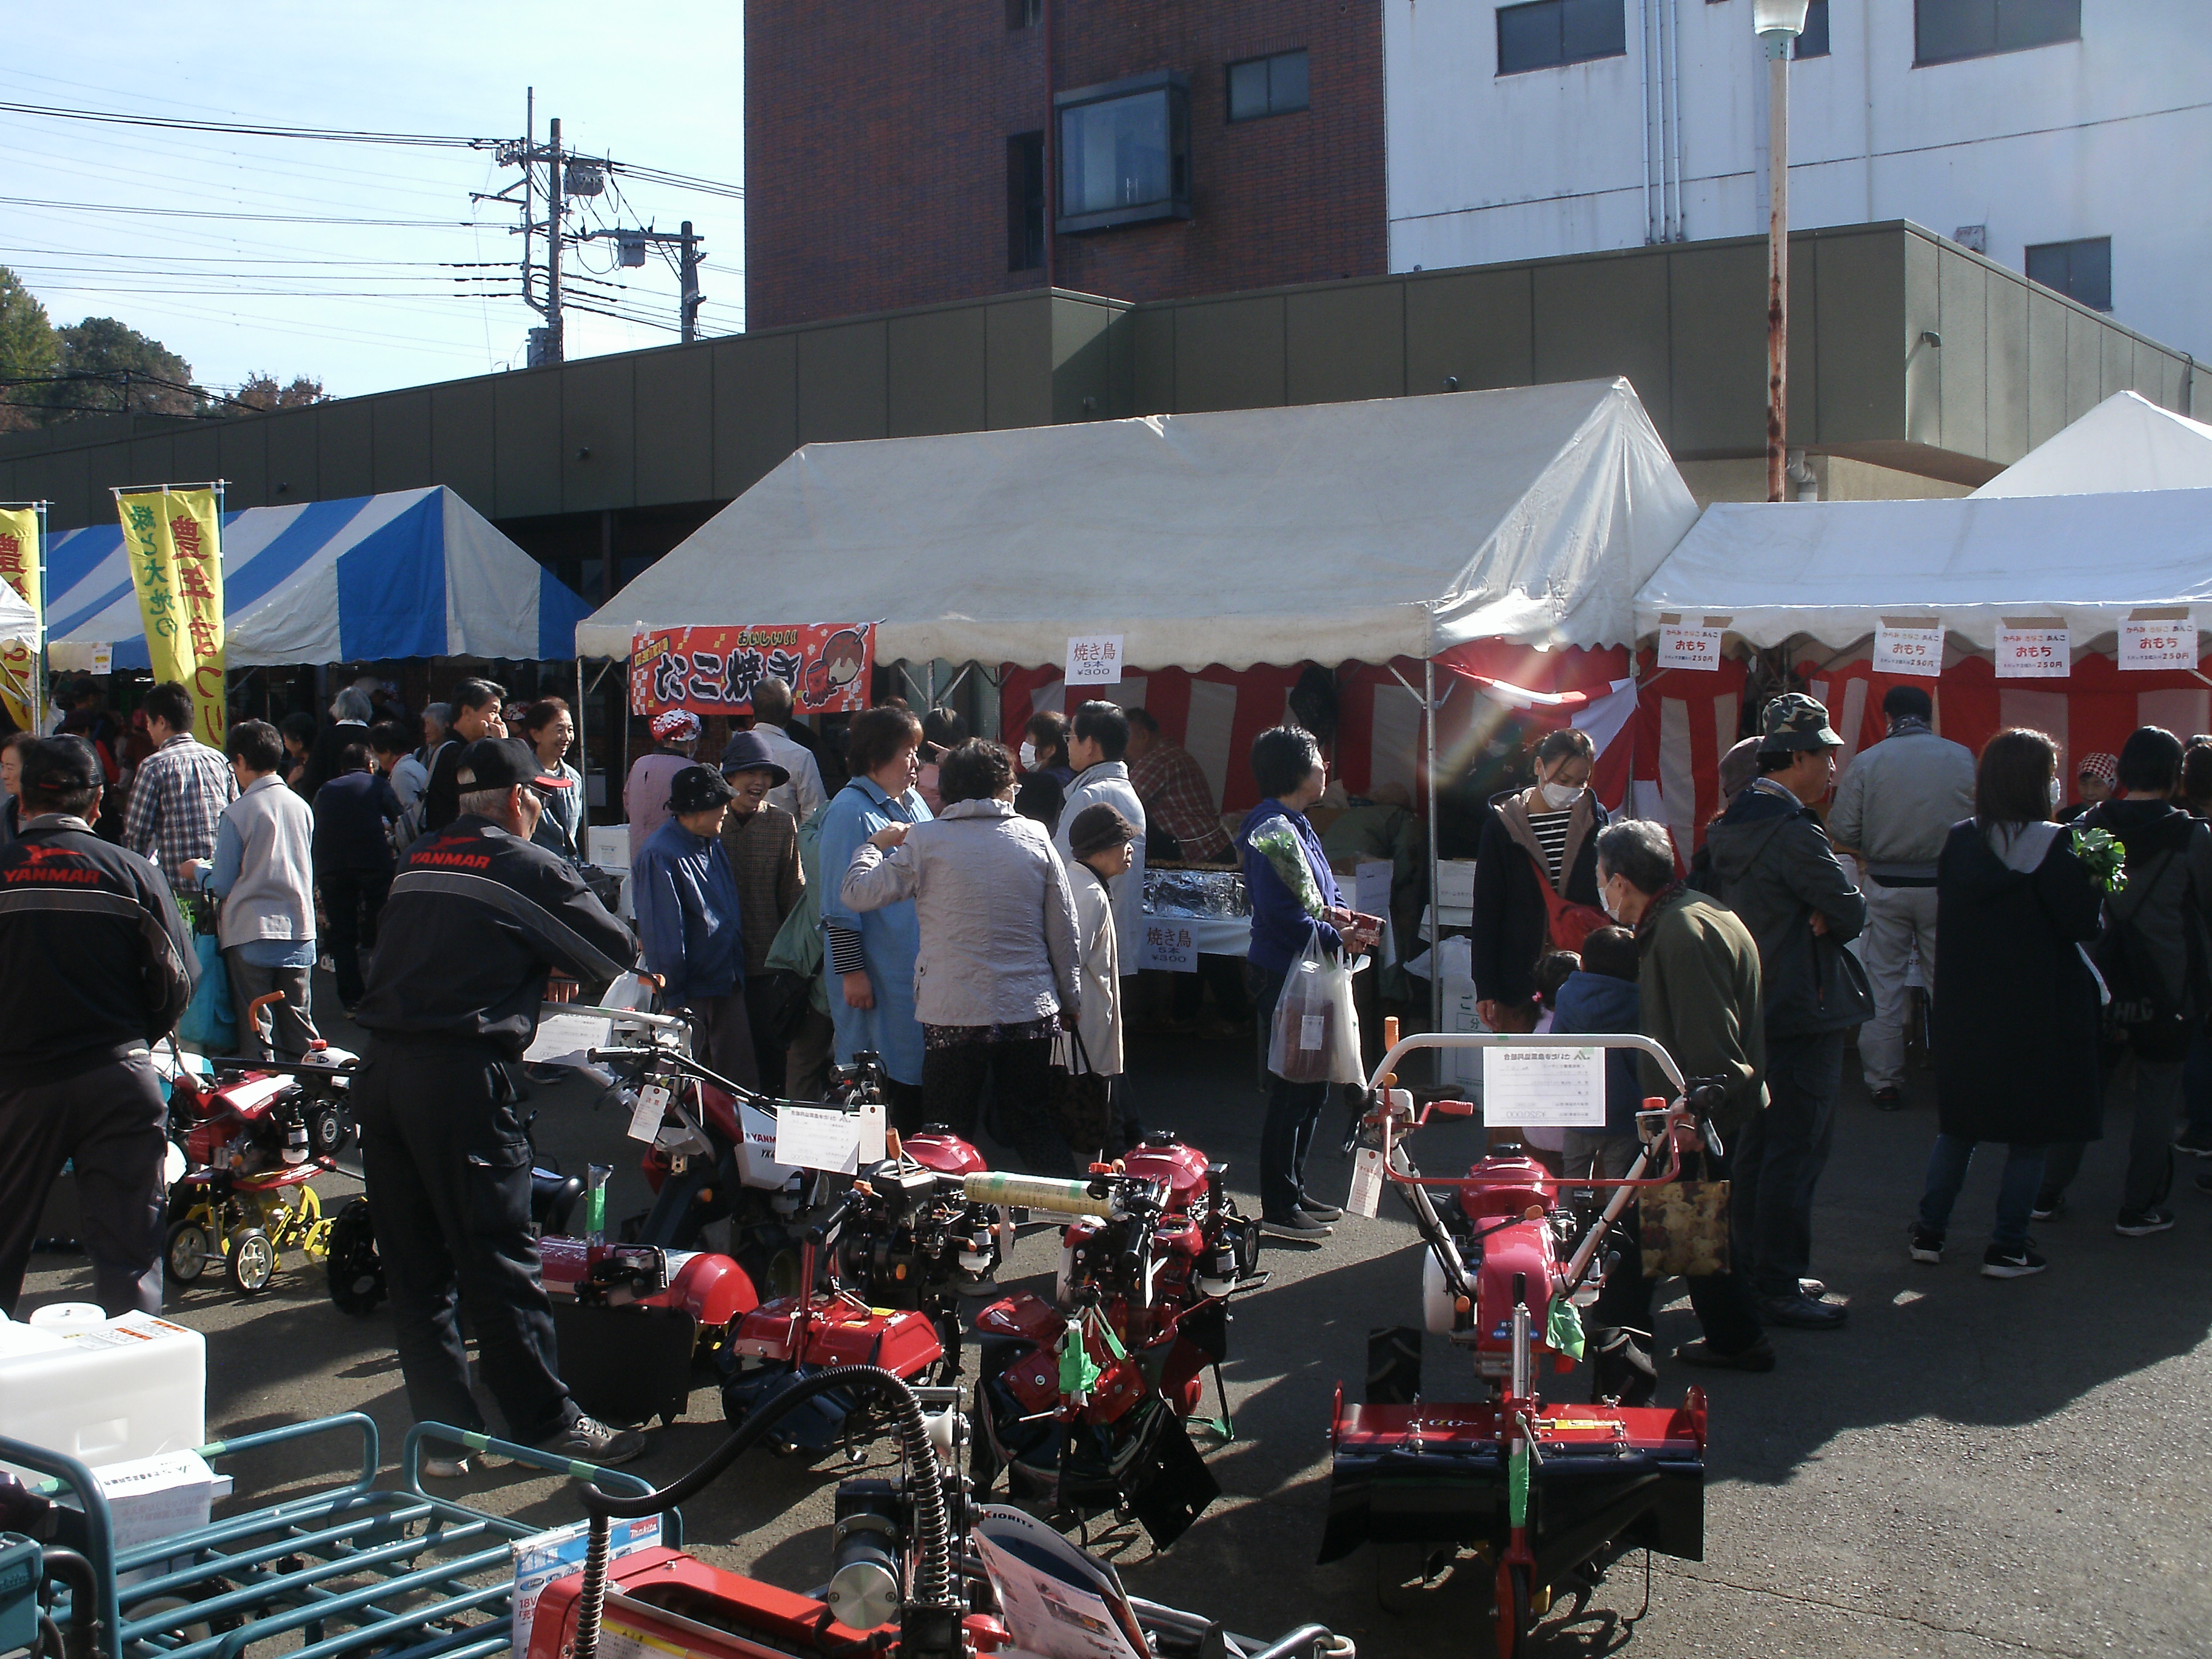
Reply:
x=1568 y=921
x=1314 y=1035
x=1684 y=1227
x=785 y=998
x=209 y=1021
x=2143 y=1012
x=1080 y=1102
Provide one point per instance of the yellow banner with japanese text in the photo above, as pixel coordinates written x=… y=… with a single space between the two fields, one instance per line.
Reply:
x=174 y=540
x=19 y=568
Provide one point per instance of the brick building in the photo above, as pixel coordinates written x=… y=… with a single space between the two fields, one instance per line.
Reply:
x=897 y=155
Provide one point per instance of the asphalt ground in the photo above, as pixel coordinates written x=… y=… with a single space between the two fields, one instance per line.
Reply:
x=1970 y=1467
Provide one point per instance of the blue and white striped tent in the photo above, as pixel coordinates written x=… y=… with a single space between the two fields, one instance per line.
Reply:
x=417 y=573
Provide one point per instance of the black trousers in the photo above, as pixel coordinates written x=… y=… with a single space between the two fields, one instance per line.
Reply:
x=1293 y=1108
x=760 y=997
x=1021 y=1077
x=109 y=1120
x=352 y=900
x=448 y=1166
x=1778 y=1158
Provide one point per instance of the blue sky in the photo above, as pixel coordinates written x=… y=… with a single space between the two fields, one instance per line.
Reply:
x=361 y=308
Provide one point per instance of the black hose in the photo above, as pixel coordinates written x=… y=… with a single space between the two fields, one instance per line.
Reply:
x=932 y=1526
x=84 y=1606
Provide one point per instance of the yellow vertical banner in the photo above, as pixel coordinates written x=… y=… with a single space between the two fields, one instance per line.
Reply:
x=174 y=540
x=194 y=527
x=19 y=568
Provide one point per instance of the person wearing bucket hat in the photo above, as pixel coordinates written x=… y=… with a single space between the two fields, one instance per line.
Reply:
x=690 y=922
x=676 y=734
x=762 y=844
x=1778 y=871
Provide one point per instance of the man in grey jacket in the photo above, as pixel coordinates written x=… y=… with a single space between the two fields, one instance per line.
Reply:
x=1896 y=804
x=1779 y=874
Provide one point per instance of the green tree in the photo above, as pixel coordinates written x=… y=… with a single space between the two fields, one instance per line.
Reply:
x=28 y=349
x=105 y=362
x=262 y=390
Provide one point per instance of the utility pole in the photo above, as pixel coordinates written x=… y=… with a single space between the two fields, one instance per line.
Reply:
x=556 y=212
x=687 y=274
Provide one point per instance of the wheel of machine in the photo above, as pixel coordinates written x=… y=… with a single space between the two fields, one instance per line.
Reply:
x=356 y=1275
x=186 y=1251
x=250 y=1262
x=1515 y=1620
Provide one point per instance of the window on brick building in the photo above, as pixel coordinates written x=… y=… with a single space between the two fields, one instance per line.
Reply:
x=2081 y=270
x=1545 y=33
x=1945 y=31
x=1026 y=201
x=1124 y=152
x=1267 y=86
x=1024 y=13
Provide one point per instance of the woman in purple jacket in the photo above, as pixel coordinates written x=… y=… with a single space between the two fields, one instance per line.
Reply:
x=1290 y=906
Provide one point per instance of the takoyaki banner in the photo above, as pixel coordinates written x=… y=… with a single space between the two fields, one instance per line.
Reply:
x=714 y=671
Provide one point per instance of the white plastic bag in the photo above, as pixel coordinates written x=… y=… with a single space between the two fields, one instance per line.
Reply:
x=1315 y=1035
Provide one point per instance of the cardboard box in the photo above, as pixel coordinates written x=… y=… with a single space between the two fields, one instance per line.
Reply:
x=540 y=1560
x=1456 y=886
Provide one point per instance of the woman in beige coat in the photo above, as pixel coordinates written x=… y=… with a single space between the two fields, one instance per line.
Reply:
x=1100 y=837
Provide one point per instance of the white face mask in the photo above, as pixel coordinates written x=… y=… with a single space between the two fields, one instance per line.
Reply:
x=1605 y=898
x=1559 y=796
x=2055 y=793
x=1028 y=757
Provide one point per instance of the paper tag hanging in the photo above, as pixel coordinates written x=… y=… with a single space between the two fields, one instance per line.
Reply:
x=873 y=1143
x=1543 y=1086
x=2162 y=638
x=103 y=659
x=818 y=1137
x=1691 y=642
x=1909 y=645
x=1366 y=1183
x=652 y=1106
x=2033 y=648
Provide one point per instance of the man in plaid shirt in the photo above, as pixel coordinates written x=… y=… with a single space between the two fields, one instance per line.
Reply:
x=180 y=789
x=1177 y=799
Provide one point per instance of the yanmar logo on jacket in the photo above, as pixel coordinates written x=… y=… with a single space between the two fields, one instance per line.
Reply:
x=48 y=865
x=449 y=858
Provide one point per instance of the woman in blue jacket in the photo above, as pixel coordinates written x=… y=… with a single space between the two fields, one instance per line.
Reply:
x=1294 y=901
x=869 y=958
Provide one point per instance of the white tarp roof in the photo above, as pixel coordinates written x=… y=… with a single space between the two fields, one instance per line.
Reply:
x=2126 y=442
x=16 y=621
x=1832 y=569
x=1335 y=532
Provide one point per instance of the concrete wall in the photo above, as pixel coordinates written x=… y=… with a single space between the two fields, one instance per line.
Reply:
x=2108 y=136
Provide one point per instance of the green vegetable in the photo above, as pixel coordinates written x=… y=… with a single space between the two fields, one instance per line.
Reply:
x=2107 y=856
x=1275 y=840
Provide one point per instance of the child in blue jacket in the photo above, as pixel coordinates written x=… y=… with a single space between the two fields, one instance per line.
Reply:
x=1601 y=998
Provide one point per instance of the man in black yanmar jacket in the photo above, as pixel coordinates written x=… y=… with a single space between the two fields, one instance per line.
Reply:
x=94 y=969
x=477 y=921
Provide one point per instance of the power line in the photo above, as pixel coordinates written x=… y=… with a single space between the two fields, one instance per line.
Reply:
x=256 y=218
x=248 y=130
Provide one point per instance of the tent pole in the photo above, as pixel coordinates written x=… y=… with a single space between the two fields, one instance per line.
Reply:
x=583 y=754
x=1436 y=910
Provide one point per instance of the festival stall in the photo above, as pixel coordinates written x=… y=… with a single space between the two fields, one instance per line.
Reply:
x=2074 y=614
x=1495 y=535
x=2125 y=443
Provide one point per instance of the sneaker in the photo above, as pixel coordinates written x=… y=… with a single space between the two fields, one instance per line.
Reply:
x=2138 y=1224
x=590 y=1441
x=1891 y=1099
x=2196 y=1142
x=445 y=1468
x=1759 y=1357
x=1319 y=1211
x=1928 y=1247
x=2049 y=1206
x=1299 y=1226
x=1815 y=1288
x=1998 y=1263
x=1801 y=1312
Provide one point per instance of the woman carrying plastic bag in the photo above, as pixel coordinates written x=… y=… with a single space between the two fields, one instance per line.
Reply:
x=1298 y=967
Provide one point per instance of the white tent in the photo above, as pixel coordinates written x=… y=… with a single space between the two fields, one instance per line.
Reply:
x=17 y=621
x=1337 y=531
x=2125 y=443
x=1830 y=570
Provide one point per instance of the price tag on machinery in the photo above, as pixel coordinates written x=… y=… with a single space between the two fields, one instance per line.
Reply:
x=1691 y=641
x=652 y=1107
x=2033 y=648
x=1543 y=1085
x=1366 y=1183
x=2161 y=638
x=1909 y=645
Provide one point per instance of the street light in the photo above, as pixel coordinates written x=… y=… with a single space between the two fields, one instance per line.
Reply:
x=1778 y=23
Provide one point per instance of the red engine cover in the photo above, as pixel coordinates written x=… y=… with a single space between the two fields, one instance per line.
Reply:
x=1119 y=1387
x=1527 y=1249
x=706 y=1610
x=713 y=1288
x=947 y=1154
x=1184 y=1168
x=1499 y=1187
x=843 y=1331
x=1023 y=1316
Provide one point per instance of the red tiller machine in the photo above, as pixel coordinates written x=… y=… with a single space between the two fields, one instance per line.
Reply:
x=1550 y=1493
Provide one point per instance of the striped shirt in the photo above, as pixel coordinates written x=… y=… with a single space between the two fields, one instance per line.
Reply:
x=1550 y=829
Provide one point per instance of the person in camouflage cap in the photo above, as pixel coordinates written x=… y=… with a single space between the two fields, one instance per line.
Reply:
x=1777 y=871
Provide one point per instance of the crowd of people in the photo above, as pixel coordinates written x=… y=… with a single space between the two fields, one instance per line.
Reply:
x=2074 y=972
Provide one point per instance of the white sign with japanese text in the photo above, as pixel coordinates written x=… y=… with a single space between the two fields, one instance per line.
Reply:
x=1543 y=1087
x=1914 y=647
x=2034 y=650
x=1691 y=642
x=1170 y=946
x=2159 y=640
x=103 y=659
x=1094 y=659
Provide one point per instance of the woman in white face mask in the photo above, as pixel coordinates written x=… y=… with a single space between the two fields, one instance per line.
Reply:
x=1535 y=878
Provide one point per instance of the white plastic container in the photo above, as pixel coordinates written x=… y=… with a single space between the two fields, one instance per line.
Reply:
x=68 y=1318
x=125 y=1389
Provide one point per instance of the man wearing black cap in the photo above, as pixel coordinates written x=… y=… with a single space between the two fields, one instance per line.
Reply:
x=762 y=840
x=477 y=921
x=94 y=968
x=689 y=922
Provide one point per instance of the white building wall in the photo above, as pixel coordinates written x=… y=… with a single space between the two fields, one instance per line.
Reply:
x=2109 y=135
